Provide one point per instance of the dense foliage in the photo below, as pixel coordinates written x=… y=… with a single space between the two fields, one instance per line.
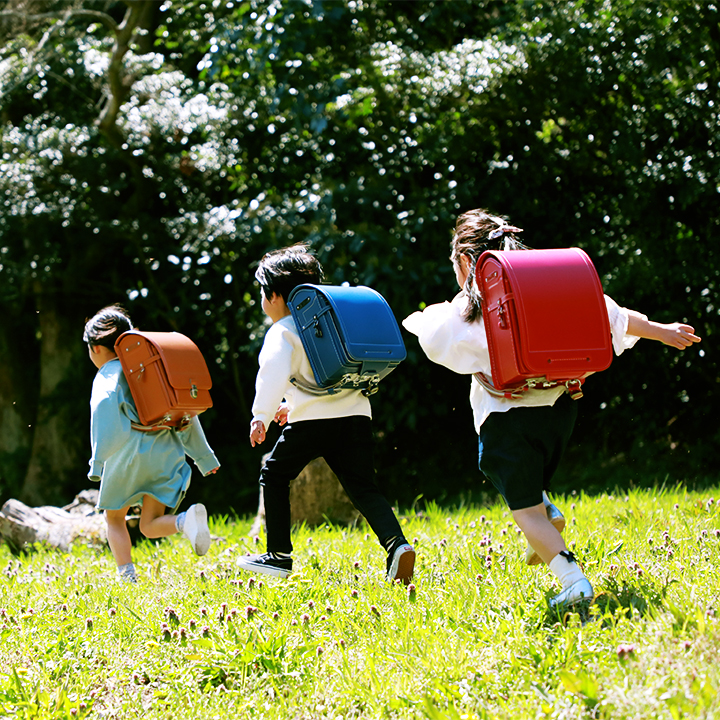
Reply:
x=151 y=153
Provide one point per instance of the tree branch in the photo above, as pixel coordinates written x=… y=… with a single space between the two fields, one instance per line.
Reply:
x=65 y=17
x=117 y=82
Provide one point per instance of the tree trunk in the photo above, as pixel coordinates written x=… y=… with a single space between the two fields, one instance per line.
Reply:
x=316 y=496
x=18 y=397
x=59 y=439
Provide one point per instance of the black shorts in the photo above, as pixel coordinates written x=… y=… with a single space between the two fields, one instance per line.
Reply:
x=520 y=450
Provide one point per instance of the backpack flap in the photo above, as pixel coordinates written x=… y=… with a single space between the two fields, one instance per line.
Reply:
x=561 y=315
x=545 y=316
x=369 y=328
x=187 y=371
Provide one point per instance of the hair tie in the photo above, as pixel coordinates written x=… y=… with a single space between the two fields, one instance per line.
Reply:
x=502 y=230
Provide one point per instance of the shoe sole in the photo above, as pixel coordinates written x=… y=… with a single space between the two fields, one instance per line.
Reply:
x=403 y=566
x=531 y=557
x=585 y=600
x=263 y=569
x=202 y=540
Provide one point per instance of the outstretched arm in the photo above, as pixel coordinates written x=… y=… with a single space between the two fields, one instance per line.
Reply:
x=677 y=335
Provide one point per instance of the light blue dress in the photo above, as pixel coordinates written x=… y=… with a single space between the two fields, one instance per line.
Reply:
x=130 y=463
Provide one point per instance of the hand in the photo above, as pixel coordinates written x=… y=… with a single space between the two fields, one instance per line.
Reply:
x=257 y=432
x=678 y=335
x=281 y=416
x=213 y=471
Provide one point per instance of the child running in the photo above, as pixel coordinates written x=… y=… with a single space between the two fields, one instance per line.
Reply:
x=137 y=467
x=336 y=427
x=521 y=440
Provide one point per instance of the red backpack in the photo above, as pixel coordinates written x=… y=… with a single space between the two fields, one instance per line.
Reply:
x=545 y=319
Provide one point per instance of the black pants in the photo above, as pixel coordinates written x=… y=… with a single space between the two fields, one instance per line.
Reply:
x=347 y=446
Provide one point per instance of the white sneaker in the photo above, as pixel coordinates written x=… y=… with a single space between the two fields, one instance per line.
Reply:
x=558 y=521
x=580 y=591
x=196 y=528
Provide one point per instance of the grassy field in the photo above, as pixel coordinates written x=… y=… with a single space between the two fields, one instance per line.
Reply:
x=471 y=638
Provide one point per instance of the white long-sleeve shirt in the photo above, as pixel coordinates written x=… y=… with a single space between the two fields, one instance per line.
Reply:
x=283 y=357
x=462 y=347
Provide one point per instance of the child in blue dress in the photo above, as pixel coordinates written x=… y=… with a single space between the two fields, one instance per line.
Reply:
x=521 y=440
x=136 y=467
x=336 y=427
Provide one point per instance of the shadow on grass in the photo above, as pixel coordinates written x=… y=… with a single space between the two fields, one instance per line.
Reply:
x=613 y=599
x=637 y=597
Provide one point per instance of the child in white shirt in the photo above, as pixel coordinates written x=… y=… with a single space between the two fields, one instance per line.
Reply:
x=521 y=440
x=336 y=427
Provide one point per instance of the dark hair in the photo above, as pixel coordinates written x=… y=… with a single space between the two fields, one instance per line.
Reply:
x=475 y=232
x=280 y=271
x=106 y=326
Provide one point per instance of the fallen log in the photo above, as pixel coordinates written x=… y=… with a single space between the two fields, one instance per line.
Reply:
x=21 y=525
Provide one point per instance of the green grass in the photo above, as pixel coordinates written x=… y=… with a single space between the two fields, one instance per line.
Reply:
x=473 y=638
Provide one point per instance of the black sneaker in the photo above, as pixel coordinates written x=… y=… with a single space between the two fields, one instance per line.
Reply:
x=401 y=563
x=266 y=564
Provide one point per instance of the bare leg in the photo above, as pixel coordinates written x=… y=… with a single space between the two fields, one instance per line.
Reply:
x=154 y=523
x=548 y=543
x=540 y=533
x=118 y=536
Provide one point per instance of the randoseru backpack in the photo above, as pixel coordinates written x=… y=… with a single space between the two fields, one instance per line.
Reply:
x=168 y=377
x=545 y=319
x=350 y=335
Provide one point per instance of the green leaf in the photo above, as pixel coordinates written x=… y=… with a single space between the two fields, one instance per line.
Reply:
x=571 y=682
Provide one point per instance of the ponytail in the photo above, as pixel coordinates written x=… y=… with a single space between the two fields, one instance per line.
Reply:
x=475 y=232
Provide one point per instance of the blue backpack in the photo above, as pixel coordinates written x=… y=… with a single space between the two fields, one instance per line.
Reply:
x=350 y=335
